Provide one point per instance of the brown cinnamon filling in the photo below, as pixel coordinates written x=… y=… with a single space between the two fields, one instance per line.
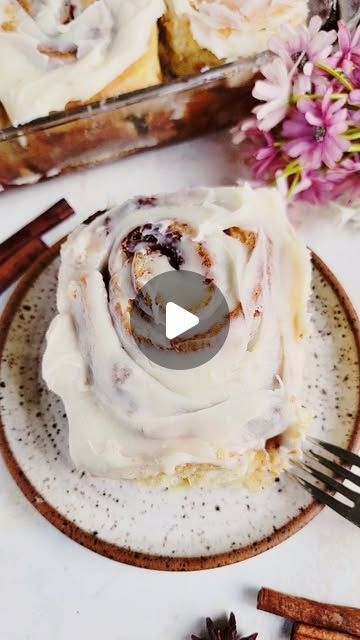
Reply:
x=245 y=237
x=272 y=444
x=60 y=55
x=168 y=243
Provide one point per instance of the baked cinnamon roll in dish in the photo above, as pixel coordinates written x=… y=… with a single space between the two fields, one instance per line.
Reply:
x=202 y=33
x=238 y=418
x=64 y=52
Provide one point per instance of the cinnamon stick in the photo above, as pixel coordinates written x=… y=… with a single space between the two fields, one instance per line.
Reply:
x=46 y=221
x=17 y=263
x=307 y=632
x=328 y=635
x=330 y=616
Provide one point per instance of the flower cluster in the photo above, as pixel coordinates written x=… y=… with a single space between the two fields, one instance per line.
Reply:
x=305 y=132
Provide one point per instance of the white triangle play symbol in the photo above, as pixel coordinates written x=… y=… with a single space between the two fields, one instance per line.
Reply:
x=178 y=320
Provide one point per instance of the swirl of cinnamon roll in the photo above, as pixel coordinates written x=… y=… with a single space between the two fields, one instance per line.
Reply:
x=61 y=52
x=237 y=416
x=161 y=262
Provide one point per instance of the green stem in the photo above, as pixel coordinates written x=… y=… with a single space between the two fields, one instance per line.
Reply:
x=291 y=169
x=355 y=147
x=295 y=181
x=337 y=96
x=315 y=96
x=352 y=135
x=336 y=74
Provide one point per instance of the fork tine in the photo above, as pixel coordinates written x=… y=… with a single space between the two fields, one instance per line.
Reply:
x=327 y=480
x=347 y=456
x=336 y=468
x=324 y=498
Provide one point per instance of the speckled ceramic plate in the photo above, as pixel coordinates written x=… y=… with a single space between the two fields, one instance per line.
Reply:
x=151 y=527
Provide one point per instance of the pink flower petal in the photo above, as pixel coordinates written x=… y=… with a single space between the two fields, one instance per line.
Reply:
x=315 y=25
x=313 y=157
x=301 y=84
x=356 y=38
x=308 y=68
x=354 y=97
x=305 y=105
x=343 y=36
x=263 y=153
x=295 y=129
x=273 y=119
x=337 y=105
x=296 y=148
x=264 y=90
x=314 y=120
x=338 y=127
x=263 y=110
x=343 y=144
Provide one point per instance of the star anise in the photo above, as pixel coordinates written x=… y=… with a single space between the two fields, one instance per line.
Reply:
x=226 y=631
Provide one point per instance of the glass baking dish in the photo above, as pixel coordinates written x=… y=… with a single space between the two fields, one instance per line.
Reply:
x=102 y=131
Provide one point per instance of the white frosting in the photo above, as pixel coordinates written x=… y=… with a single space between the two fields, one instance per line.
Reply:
x=103 y=39
x=251 y=23
x=131 y=418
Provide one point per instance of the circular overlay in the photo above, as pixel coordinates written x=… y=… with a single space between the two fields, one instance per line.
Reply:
x=187 y=529
x=163 y=307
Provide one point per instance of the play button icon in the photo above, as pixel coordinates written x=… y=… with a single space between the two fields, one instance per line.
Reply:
x=179 y=319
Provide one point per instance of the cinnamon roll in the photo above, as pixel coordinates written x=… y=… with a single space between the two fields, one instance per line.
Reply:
x=203 y=33
x=64 y=52
x=238 y=417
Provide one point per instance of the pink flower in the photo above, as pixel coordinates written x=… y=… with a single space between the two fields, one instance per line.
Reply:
x=355 y=77
x=354 y=100
x=345 y=178
x=313 y=154
x=355 y=118
x=303 y=46
x=354 y=97
x=315 y=188
x=258 y=149
x=312 y=187
x=239 y=133
x=267 y=159
x=274 y=91
x=348 y=54
x=322 y=83
x=315 y=129
x=286 y=186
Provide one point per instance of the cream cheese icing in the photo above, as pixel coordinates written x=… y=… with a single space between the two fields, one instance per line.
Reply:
x=130 y=418
x=234 y=28
x=96 y=41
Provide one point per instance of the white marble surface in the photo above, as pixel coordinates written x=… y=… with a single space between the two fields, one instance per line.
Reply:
x=50 y=587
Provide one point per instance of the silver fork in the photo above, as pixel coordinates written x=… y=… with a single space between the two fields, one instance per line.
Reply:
x=351 y=513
